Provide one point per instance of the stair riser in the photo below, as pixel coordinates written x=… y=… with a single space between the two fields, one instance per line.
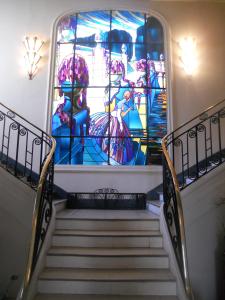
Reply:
x=107 y=225
x=111 y=288
x=101 y=297
x=107 y=242
x=107 y=262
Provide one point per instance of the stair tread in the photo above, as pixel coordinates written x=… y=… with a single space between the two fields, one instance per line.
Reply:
x=106 y=215
x=108 y=233
x=100 y=297
x=118 y=252
x=106 y=274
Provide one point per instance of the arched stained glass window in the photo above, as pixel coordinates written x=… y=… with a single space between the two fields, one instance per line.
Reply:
x=109 y=105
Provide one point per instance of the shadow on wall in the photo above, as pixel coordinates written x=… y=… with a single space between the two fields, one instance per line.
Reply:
x=16 y=206
x=220 y=256
x=204 y=224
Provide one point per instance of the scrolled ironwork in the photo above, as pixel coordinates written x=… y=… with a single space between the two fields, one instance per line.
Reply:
x=201 y=127
x=214 y=119
x=222 y=113
x=175 y=241
x=174 y=217
x=14 y=126
x=43 y=234
x=203 y=149
x=35 y=167
x=23 y=131
x=11 y=114
x=37 y=141
x=177 y=142
x=192 y=133
x=2 y=116
x=169 y=218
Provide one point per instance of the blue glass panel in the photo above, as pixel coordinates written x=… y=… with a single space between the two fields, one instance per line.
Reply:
x=62 y=152
x=110 y=97
x=96 y=151
x=157 y=119
x=125 y=26
x=155 y=51
x=61 y=114
x=93 y=26
x=115 y=151
x=156 y=74
x=154 y=31
x=66 y=29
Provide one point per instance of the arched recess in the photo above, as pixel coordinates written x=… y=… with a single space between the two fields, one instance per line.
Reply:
x=109 y=88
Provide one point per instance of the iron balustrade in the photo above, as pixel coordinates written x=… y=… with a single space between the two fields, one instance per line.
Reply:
x=27 y=153
x=106 y=198
x=198 y=146
x=190 y=152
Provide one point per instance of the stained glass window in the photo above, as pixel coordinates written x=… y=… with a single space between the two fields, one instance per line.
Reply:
x=109 y=105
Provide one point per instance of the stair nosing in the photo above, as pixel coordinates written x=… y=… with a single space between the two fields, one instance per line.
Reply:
x=108 y=280
x=103 y=220
x=104 y=279
x=103 y=296
x=162 y=252
x=105 y=235
x=102 y=255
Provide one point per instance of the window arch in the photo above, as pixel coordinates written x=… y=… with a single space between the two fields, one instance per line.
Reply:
x=109 y=105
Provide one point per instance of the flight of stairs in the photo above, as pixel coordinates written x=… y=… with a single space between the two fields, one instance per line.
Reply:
x=105 y=254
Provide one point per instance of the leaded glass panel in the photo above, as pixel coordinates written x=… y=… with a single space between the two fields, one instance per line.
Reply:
x=109 y=103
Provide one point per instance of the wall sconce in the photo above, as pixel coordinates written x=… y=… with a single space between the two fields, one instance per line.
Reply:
x=32 y=58
x=188 y=55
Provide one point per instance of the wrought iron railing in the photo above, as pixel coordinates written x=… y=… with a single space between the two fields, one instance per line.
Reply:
x=106 y=198
x=27 y=153
x=190 y=152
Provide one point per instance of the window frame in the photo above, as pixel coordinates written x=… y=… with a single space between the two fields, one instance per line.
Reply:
x=168 y=67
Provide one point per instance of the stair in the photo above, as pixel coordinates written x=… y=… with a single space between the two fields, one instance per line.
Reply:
x=102 y=254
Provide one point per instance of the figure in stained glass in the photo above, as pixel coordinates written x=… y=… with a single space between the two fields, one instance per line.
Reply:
x=120 y=148
x=110 y=90
x=72 y=114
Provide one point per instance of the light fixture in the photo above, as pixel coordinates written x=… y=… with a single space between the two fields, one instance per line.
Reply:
x=32 y=56
x=188 y=55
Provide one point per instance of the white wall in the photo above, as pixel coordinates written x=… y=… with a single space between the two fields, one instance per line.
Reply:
x=188 y=96
x=205 y=21
x=120 y=178
x=16 y=207
x=204 y=210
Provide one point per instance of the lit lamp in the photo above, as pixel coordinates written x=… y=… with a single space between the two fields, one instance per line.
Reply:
x=32 y=56
x=188 y=55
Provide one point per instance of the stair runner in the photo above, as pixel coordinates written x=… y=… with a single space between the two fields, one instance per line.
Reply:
x=103 y=254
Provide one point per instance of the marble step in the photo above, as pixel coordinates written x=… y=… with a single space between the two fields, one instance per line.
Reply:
x=62 y=223
x=107 y=281
x=114 y=258
x=86 y=219
x=100 y=297
x=107 y=238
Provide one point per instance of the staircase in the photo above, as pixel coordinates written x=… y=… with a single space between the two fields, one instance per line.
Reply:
x=110 y=254
x=105 y=254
